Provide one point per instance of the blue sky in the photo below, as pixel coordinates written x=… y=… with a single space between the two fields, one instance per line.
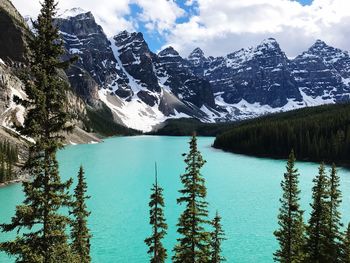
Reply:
x=305 y=2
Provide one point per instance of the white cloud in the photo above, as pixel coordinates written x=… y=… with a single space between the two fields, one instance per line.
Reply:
x=109 y=14
x=223 y=26
x=114 y=15
x=159 y=15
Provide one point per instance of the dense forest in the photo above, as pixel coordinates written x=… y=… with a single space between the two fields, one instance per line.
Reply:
x=186 y=127
x=316 y=134
x=8 y=158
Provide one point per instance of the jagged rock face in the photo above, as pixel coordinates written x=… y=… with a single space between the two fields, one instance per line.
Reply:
x=258 y=74
x=179 y=78
x=13 y=34
x=84 y=38
x=143 y=88
x=198 y=61
x=14 y=51
x=126 y=75
x=137 y=59
x=266 y=76
x=323 y=72
x=83 y=85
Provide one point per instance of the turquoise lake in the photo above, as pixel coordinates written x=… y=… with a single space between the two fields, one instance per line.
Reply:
x=120 y=173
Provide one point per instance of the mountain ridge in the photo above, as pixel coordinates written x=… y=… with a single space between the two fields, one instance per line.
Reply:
x=143 y=89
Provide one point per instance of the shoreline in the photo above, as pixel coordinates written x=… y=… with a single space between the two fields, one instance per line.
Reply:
x=15 y=181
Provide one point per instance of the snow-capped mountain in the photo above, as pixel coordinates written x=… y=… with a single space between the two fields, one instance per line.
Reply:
x=261 y=80
x=143 y=89
x=258 y=74
x=322 y=74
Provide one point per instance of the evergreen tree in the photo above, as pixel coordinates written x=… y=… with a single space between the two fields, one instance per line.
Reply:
x=80 y=232
x=346 y=246
x=8 y=158
x=334 y=236
x=290 y=234
x=2 y=169
x=217 y=236
x=193 y=245
x=156 y=249
x=44 y=239
x=316 y=245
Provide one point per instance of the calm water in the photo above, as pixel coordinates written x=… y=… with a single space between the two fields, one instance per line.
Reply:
x=120 y=173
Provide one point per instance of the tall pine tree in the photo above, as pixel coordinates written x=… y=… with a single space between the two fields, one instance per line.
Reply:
x=193 y=244
x=80 y=234
x=156 y=249
x=346 y=246
x=290 y=234
x=317 y=229
x=44 y=238
x=216 y=238
x=334 y=235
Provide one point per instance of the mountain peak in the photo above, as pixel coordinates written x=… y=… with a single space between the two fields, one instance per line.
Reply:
x=320 y=42
x=123 y=34
x=126 y=34
x=197 y=52
x=197 y=57
x=318 y=45
x=269 y=43
x=76 y=11
x=169 y=51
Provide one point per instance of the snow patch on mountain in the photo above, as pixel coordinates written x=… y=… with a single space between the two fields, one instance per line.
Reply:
x=144 y=89
x=68 y=13
x=14 y=108
x=135 y=87
x=135 y=113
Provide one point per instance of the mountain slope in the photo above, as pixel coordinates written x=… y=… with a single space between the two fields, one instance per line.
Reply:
x=322 y=74
x=13 y=67
x=143 y=89
x=126 y=76
x=256 y=81
x=13 y=34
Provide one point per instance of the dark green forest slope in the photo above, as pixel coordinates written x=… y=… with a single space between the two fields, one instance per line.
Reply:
x=316 y=134
x=186 y=127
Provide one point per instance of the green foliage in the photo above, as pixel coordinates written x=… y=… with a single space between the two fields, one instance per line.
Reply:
x=324 y=242
x=193 y=245
x=186 y=127
x=346 y=246
x=8 y=158
x=290 y=234
x=80 y=232
x=44 y=238
x=157 y=220
x=318 y=227
x=334 y=235
x=216 y=238
x=316 y=134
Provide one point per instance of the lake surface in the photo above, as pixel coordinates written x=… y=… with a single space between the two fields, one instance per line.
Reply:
x=120 y=172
